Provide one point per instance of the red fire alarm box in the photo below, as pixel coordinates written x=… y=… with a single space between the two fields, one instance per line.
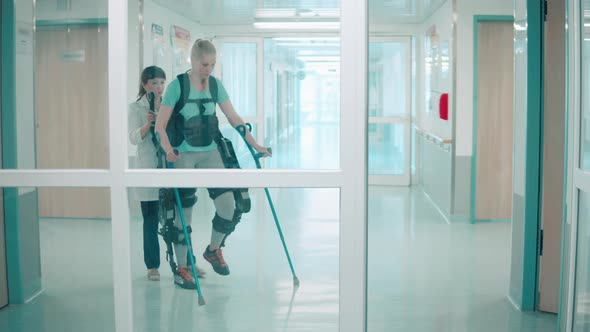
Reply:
x=443 y=106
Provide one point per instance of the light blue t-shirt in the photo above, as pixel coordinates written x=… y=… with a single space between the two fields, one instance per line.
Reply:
x=172 y=95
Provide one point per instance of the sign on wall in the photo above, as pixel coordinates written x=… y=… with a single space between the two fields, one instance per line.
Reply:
x=180 y=39
x=158 y=46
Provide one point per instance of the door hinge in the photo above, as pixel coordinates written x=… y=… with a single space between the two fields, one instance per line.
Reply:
x=541 y=244
x=545 y=9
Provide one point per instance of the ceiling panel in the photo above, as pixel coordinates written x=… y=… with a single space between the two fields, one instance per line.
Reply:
x=244 y=11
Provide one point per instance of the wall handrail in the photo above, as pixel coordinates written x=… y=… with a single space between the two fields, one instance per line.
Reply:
x=432 y=137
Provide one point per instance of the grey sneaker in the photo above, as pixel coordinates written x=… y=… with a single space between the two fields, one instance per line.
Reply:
x=153 y=275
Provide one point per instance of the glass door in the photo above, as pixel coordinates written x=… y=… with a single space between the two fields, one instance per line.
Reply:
x=348 y=311
x=577 y=237
x=389 y=111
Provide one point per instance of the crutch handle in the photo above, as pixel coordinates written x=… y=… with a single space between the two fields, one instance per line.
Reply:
x=242 y=130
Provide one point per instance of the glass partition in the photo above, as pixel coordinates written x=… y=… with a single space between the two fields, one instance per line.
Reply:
x=61 y=263
x=161 y=33
x=293 y=107
x=302 y=101
x=239 y=70
x=259 y=293
x=61 y=86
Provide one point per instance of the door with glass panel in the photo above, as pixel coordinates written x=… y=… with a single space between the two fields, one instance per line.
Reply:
x=389 y=111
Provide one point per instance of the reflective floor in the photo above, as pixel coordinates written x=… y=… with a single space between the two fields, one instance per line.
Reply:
x=424 y=274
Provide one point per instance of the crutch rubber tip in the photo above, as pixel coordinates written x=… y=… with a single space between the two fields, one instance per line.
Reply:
x=201 y=300
x=295 y=282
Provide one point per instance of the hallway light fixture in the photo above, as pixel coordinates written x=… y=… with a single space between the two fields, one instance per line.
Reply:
x=291 y=13
x=298 y=25
x=319 y=58
x=310 y=39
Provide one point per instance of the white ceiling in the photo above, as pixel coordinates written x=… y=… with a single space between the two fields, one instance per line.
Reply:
x=244 y=11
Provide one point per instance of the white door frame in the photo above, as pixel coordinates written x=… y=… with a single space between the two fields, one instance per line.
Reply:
x=578 y=179
x=406 y=118
x=351 y=178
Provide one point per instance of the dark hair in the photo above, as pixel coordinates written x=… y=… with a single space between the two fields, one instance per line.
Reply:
x=147 y=74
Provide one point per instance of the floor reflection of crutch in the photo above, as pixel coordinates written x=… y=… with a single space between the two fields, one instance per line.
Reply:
x=162 y=158
x=242 y=130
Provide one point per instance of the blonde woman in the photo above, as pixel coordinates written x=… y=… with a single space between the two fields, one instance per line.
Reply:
x=194 y=146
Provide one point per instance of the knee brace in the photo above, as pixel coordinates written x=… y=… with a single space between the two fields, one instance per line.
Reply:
x=225 y=226
x=216 y=192
x=167 y=199
x=241 y=197
x=187 y=197
x=172 y=234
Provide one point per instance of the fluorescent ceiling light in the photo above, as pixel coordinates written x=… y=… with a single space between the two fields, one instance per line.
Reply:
x=317 y=52
x=319 y=58
x=306 y=38
x=291 y=13
x=275 y=13
x=314 y=45
x=298 y=25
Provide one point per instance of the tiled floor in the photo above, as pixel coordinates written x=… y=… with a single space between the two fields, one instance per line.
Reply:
x=424 y=275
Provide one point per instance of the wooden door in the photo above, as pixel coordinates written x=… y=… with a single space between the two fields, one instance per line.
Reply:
x=553 y=157
x=495 y=70
x=72 y=115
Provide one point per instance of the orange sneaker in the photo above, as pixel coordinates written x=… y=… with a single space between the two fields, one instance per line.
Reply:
x=215 y=257
x=184 y=279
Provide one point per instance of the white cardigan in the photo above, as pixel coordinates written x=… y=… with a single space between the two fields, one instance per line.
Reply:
x=146 y=151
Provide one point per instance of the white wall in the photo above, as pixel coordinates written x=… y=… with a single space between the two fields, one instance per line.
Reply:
x=466 y=9
x=154 y=13
x=442 y=20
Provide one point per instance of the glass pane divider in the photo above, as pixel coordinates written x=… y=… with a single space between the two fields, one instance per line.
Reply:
x=234 y=178
x=389 y=119
x=353 y=154
x=55 y=178
x=574 y=109
x=121 y=228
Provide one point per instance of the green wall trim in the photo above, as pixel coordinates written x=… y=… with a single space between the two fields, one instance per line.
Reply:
x=8 y=69
x=533 y=154
x=87 y=21
x=8 y=87
x=13 y=267
x=476 y=20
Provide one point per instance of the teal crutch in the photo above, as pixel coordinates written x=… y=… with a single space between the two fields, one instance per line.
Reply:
x=188 y=241
x=162 y=157
x=242 y=130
